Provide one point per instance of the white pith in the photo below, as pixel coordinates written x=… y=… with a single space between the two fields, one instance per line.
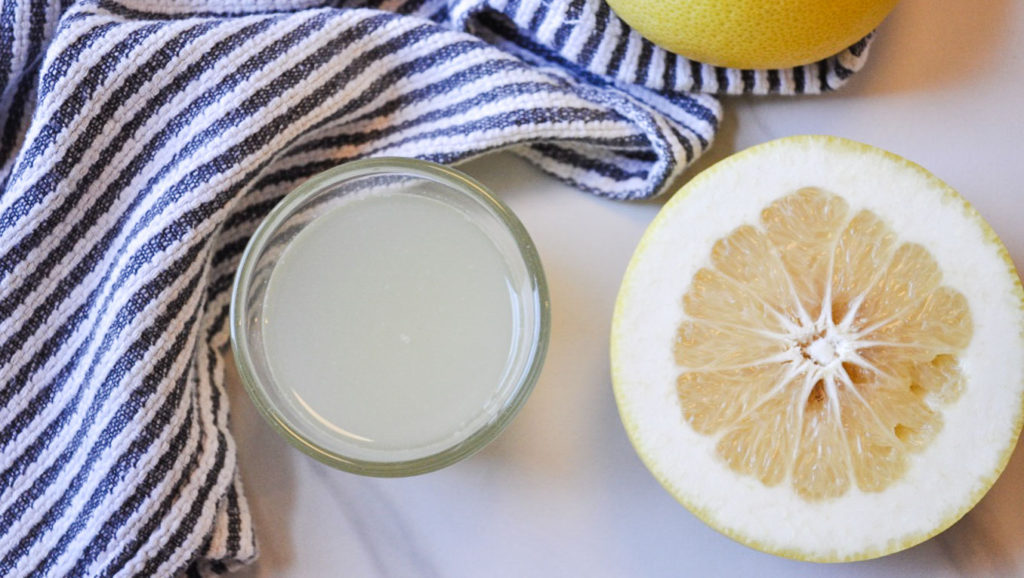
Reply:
x=979 y=430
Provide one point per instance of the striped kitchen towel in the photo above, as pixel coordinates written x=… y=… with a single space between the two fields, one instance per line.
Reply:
x=141 y=141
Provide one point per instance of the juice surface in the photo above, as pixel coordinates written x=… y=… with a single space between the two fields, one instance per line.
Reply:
x=389 y=322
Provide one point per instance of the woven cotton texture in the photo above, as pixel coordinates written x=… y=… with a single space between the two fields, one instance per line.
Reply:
x=141 y=143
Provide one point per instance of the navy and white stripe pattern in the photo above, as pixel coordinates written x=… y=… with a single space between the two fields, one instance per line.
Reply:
x=141 y=142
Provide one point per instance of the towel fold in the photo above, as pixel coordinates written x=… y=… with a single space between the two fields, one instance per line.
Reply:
x=142 y=141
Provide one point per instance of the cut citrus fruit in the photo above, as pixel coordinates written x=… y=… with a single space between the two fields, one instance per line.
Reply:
x=818 y=348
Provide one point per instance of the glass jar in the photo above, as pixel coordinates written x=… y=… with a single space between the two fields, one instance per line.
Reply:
x=390 y=317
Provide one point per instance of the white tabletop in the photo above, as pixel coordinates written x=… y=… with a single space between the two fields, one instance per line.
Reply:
x=561 y=492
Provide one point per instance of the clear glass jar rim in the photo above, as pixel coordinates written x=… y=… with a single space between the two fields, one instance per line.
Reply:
x=323 y=182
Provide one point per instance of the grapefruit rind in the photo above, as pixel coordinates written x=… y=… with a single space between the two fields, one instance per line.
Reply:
x=945 y=480
x=752 y=34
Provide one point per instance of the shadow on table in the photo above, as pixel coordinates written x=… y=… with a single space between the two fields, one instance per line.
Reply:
x=989 y=540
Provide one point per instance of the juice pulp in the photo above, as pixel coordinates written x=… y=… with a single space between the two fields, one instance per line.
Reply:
x=389 y=322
